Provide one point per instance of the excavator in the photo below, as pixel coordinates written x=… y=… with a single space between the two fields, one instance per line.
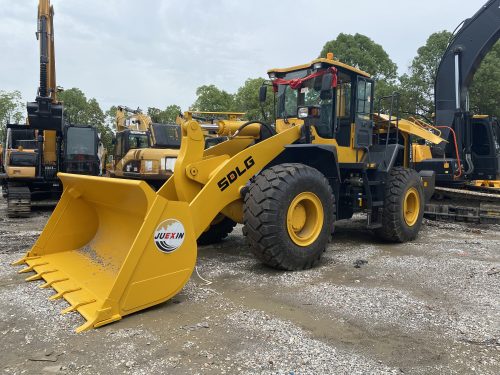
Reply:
x=146 y=150
x=142 y=149
x=113 y=247
x=35 y=152
x=467 y=166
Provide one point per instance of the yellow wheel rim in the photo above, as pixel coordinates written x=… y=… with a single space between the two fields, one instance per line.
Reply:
x=304 y=219
x=411 y=206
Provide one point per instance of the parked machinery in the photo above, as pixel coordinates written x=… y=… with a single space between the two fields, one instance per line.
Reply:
x=142 y=149
x=35 y=152
x=328 y=158
x=146 y=150
x=467 y=166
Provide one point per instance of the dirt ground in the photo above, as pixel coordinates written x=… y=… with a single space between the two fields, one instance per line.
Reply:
x=427 y=307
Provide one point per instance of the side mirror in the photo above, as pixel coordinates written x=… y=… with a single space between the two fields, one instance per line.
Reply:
x=326 y=82
x=262 y=93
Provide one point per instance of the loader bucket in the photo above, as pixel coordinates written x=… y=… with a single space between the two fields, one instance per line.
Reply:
x=113 y=247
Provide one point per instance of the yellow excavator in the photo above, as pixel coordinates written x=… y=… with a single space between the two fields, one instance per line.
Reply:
x=143 y=150
x=113 y=246
x=146 y=150
x=35 y=152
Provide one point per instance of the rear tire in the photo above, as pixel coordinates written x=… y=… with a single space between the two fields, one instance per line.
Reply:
x=217 y=232
x=288 y=216
x=403 y=206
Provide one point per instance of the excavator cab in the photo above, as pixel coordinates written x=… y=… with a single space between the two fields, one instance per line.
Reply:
x=485 y=148
x=81 y=147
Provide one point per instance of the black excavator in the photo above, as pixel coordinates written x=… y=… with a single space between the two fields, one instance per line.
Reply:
x=467 y=167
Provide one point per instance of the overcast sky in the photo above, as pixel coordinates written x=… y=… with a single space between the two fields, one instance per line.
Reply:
x=152 y=53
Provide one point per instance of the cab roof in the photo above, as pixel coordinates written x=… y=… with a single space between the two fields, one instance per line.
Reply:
x=325 y=61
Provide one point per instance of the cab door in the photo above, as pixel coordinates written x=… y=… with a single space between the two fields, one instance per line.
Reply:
x=363 y=122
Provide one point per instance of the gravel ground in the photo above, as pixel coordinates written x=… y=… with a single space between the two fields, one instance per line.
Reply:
x=427 y=307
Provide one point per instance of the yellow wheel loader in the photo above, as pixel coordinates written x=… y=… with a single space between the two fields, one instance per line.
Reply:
x=113 y=246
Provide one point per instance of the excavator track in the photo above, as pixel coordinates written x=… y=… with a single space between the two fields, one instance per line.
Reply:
x=464 y=205
x=18 y=201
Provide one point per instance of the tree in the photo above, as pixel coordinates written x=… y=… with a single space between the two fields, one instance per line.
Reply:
x=247 y=100
x=211 y=99
x=485 y=89
x=110 y=116
x=12 y=109
x=168 y=115
x=417 y=87
x=363 y=53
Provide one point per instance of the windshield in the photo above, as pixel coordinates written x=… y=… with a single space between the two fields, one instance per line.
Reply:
x=287 y=97
x=138 y=140
x=309 y=94
x=80 y=141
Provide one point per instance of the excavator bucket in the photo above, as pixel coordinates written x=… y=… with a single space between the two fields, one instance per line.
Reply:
x=113 y=247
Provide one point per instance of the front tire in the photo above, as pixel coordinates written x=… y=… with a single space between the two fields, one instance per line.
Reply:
x=288 y=216
x=403 y=206
x=218 y=231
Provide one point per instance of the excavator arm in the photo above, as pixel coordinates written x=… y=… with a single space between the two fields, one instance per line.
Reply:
x=46 y=113
x=462 y=58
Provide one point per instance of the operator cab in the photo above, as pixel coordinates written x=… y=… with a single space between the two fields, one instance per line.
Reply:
x=340 y=94
x=485 y=147
x=81 y=147
x=130 y=139
x=21 y=147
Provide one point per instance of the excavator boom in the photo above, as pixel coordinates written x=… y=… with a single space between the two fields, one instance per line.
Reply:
x=46 y=113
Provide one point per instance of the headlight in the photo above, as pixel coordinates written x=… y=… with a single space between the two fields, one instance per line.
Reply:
x=311 y=111
x=170 y=164
x=303 y=112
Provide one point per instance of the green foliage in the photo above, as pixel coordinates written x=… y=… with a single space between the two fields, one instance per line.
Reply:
x=168 y=115
x=485 y=89
x=80 y=111
x=417 y=87
x=247 y=100
x=110 y=116
x=363 y=53
x=211 y=99
x=12 y=109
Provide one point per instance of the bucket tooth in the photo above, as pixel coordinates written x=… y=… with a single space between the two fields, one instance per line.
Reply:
x=74 y=307
x=23 y=260
x=38 y=276
x=30 y=268
x=62 y=293
x=50 y=283
x=85 y=326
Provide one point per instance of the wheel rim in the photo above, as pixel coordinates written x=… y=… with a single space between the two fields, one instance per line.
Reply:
x=305 y=218
x=411 y=206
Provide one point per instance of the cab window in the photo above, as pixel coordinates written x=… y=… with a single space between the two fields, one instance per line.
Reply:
x=364 y=99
